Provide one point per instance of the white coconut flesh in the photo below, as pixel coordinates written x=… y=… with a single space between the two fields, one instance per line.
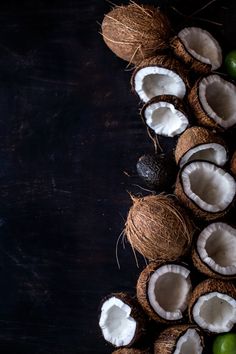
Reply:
x=209 y=186
x=216 y=247
x=212 y=152
x=117 y=326
x=202 y=46
x=152 y=81
x=169 y=288
x=165 y=119
x=218 y=99
x=189 y=343
x=215 y=312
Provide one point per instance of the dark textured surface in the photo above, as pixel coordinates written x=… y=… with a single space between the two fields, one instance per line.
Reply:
x=69 y=127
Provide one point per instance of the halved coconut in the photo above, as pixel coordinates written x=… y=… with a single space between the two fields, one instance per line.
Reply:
x=121 y=320
x=165 y=115
x=213 y=100
x=198 y=49
x=198 y=143
x=157 y=76
x=233 y=164
x=163 y=291
x=213 y=305
x=180 y=339
x=215 y=251
x=206 y=189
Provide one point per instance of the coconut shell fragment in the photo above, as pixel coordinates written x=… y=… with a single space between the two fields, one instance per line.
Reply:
x=233 y=164
x=131 y=351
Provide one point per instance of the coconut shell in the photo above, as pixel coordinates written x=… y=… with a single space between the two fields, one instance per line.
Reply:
x=135 y=32
x=233 y=164
x=159 y=228
x=131 y=351
x=166 y=341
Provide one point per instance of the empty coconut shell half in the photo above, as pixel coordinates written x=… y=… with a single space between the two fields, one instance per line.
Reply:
x=213 y=101
x=165 y=115
x=180 y=339
x=215 y=251
x=213 y=305
x=198 y=143
x=198 y=49
x=206 y=189
x=233 y=164
x=161 y=75
x=163 y=290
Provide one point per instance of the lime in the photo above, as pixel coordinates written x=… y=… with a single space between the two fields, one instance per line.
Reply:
x=230 y=63
x=225 y=344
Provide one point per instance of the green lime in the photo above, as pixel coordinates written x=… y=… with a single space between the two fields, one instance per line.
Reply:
x=225 y=344
x=230 y=63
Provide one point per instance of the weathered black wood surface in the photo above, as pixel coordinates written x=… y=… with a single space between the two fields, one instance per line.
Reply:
x=69 y=127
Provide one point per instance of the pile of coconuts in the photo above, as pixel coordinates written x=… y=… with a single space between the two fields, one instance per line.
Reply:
x=190 y=222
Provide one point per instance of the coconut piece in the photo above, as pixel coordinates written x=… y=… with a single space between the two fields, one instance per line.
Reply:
x=136 y=32
x=158 y=227
x=162 y=75
x=213 y=101
x=163 y=291
x=165 y=115
x=198 y=143
x=121 y=320
x=131 y=351
x=233 y=164
x=213 y=305
x=206 y=189
x=198 y=49
x=180 y=339
x=215 y=251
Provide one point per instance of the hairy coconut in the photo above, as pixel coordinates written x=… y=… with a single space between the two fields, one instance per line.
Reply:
x=180 y=339
x=158 y=227
x=213 y=305
x=131 y=351
x=233 y=164
x=198 y=143
x=135 y=32
x=163 y=290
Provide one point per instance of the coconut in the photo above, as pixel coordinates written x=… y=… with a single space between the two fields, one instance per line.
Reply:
x=131 y=351
x=213 y=305
x=162 y=75
x=180 y=339
x=198 y=143
x=135 y=32
x=121 y=320
x=213 y=101
x=215 y=251
x=165 y=114
x=206 y=189
x=163 y=290
x=233 y=164
x=158 y=227
x=198 y=49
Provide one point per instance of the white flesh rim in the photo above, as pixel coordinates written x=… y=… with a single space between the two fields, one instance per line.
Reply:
x=169 y=288
x=189 y=343
x=152 y=81
x=117 y=326
x=216 y=246
x=202 y=46
x=212 y=152
x=218 y=99
x=209 y=186
x=165 y=119
x=215 y=312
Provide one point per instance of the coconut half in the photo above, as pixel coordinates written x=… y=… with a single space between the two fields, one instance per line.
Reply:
x=213 y=305
x=180 y=339
x=213 y=100
x=157 y=76
x=198 y=143
x=165 y=115
x=233 y=164
x=206 y=189
x=215 y=251
x=198 y=49
x=163 y=291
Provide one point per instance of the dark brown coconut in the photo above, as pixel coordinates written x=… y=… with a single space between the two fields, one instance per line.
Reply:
x=131 y=351
x=158 y=227
x=233 y=164
x=136 y=32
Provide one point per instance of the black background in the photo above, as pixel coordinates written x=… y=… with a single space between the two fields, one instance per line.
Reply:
x=69 y=128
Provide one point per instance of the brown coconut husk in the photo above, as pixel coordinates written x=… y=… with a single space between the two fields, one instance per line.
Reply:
x=131 y=351
x=233 y=164
x=135 y=32
x=159 y=228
